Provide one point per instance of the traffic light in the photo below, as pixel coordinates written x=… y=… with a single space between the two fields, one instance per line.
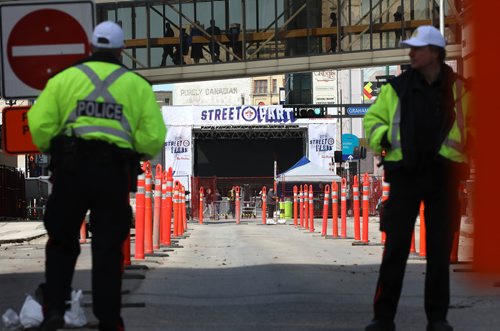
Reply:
x=359 y=152
x=309 y=112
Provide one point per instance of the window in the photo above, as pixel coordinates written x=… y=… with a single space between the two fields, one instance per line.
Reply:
x=260 y=87
x=274 y=89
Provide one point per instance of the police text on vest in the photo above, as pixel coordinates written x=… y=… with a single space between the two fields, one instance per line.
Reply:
x=107 y=110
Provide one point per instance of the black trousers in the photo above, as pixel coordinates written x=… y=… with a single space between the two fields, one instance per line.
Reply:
x=439 y=192
x=98 y=183
x=270 y=210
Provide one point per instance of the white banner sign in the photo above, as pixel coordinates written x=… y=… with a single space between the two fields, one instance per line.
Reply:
x=325 y=86
x=322 y=143
x=178 y=151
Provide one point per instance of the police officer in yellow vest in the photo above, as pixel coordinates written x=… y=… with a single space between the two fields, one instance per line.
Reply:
x=420 y=122
x=97 y=120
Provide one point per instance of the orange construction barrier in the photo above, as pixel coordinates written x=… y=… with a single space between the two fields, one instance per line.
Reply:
x=183 y=217
x=180 y=201
x=237 y=204
x=343 y=209
x=326 y=200
x=385 y=195
x=423 y=242
x=175 y=203
x=264 y=205
x=157 y=207
x=335 y=209
x=295 y=207
x=311 y=209
x=83 y=232
x=166 y=213
x=357 y=221
x=200 y=214
x=179 y=210
x=301 y=207
x=140 y=215
x=366 y=207
x=412 y=246
x=170 y=186
x=148 y=211
x=306 y=206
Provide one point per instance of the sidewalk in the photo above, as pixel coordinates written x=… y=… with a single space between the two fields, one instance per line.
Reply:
x=20 y=231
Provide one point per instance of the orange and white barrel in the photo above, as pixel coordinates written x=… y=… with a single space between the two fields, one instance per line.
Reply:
x=264 y=205
x=200 y=214
x=366 y=207
x=343 y=209
x=301 y=207
x=335 y=209
x=165 y=237
x=148 y=211
x=355 y=197
x=386 y=187
x=311 y=209
x=306 y=206
x=139 y=215
x=157 y=207
x=326 y=201
x=237 y=204
x=295 y=207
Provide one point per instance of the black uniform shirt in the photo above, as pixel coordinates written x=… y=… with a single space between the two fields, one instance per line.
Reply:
x=429 y=120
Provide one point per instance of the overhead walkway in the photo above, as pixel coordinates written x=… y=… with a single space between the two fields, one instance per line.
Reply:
x=285 y=65
x=277 y=37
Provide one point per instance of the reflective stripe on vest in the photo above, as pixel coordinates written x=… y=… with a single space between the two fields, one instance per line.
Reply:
x=101 y=90
x=395 y=142
x=458 y=145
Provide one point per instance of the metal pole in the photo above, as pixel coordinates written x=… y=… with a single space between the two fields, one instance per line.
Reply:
x=441 y=16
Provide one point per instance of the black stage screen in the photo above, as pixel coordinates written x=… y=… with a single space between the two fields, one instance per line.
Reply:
x=245 y=157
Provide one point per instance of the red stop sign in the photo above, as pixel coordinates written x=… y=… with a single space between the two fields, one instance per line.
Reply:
x=44 y=42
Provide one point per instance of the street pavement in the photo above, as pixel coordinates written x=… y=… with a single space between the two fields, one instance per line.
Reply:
x=223 y=276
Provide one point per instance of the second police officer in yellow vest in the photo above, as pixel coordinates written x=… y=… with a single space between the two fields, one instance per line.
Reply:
x=97 y=120
x=421 y=123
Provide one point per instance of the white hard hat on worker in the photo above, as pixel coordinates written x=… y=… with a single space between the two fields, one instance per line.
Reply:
x=425 y=35
x=427 y=50
x=108 y=35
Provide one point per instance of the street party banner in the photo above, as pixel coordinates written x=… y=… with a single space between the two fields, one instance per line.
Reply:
x=322 y=144
x=233 y=115
x=178 y=150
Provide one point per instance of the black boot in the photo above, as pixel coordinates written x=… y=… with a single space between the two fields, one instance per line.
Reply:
x=439 y=326
x=380 y=325
x=53 y=321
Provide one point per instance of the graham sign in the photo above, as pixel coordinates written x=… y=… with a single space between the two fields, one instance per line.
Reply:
x=38 y=40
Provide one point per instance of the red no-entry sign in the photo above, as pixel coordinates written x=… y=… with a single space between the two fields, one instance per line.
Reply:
x=44 y=42
x=39 y=40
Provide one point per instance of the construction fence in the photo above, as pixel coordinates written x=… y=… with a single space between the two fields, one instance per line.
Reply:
x=12 y=193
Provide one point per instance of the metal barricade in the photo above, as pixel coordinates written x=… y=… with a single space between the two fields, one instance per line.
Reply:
x=249 y=207
x=216 y=210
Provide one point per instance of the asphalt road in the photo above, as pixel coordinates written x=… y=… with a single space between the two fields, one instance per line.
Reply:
x=260 y=277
